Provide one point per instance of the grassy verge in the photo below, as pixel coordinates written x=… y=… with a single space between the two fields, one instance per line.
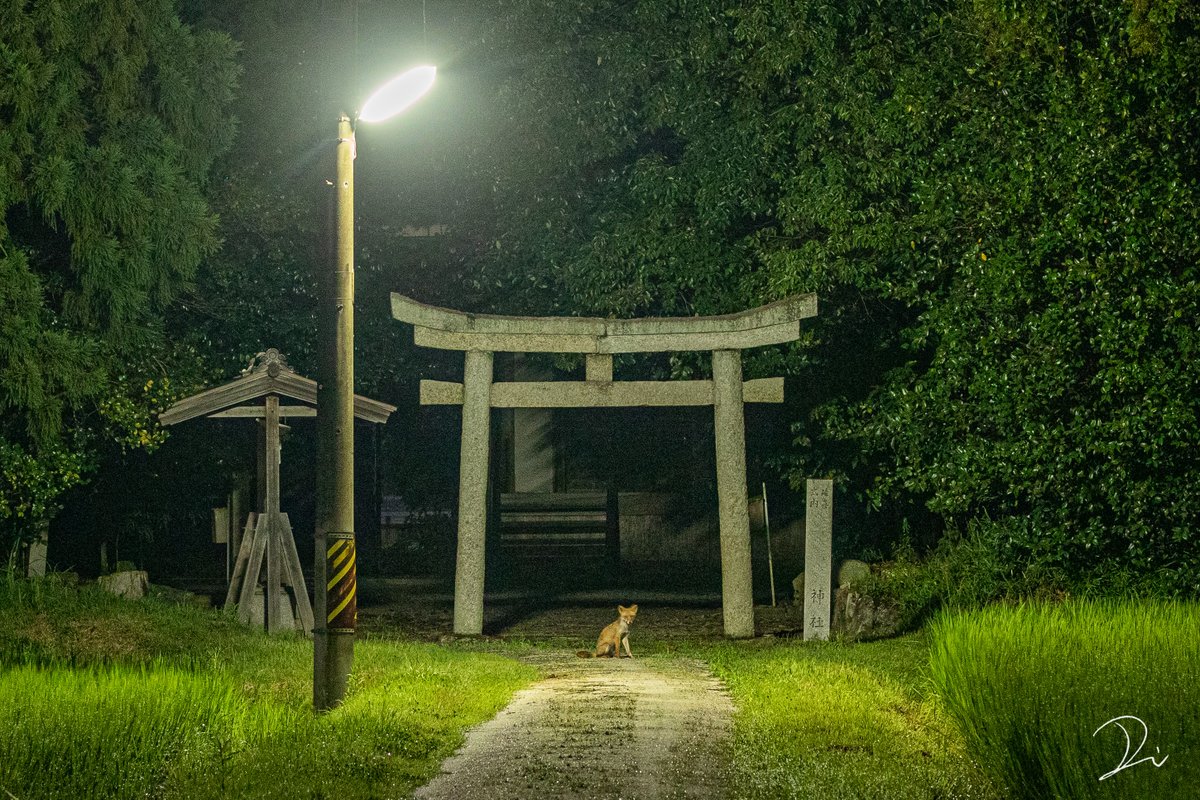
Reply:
x=105 y=698
x=840 y=720
x=1032 y=687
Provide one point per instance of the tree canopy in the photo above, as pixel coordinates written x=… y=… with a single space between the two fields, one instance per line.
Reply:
x=997 y=204
x=111 y=114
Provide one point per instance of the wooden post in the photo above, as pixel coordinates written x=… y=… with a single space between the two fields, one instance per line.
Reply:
x=737 y=596
x=472 y=494
x=271 y=510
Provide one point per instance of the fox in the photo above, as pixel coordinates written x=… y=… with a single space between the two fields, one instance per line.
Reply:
x=614 y=635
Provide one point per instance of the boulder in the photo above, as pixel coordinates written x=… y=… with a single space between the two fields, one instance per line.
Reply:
x=132 y=584
x=857 y=616
x=798 y=590
x=851 y=571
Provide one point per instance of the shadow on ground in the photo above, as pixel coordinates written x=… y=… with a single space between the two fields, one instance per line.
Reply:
x=425 y=611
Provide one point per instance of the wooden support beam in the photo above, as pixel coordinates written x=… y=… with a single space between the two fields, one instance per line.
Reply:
x=258 y=548
x=238 y=576
x=588 y=394
x=294 y=576
x=258 y=412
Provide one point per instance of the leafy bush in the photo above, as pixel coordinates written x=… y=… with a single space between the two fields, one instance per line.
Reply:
x=1033 y=686
x=964 y=572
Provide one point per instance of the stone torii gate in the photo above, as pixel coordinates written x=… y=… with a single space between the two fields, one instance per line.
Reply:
x=482 y=335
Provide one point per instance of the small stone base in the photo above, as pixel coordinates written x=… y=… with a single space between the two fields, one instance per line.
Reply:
x=287 y=612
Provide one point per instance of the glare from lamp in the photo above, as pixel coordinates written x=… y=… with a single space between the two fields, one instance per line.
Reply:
x=398 y=94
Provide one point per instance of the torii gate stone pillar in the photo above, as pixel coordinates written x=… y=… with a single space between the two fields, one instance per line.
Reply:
x=737 y=599
x=480 y=336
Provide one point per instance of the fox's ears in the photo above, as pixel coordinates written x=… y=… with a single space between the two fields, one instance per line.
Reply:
x=632 y=608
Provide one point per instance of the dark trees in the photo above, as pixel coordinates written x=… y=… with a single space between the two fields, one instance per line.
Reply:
x=110 y=115
x=997 y=203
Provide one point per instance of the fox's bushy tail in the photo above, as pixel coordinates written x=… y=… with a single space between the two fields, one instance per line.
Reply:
x=584 y=654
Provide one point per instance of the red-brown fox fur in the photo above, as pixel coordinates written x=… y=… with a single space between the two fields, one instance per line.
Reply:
x=615 y=635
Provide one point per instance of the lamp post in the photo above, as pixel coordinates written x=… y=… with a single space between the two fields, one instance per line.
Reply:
x=335 y=583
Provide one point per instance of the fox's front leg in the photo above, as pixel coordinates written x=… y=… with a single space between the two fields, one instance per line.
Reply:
x=625 y=641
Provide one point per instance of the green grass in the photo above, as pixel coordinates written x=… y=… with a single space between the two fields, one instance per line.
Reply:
x=840 y=720
x=1031 y=685
x=106 y=698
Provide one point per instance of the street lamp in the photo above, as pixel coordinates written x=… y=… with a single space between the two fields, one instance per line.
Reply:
x=335 y=582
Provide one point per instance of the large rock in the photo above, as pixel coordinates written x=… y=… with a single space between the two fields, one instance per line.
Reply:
x=132 y=583
x=849 y=572
x=858 y=616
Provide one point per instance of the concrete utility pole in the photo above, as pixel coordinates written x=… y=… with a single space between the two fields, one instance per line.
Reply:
x=335 y=577
x=336 y=606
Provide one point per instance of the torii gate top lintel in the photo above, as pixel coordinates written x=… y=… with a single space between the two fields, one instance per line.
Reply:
x=448 y=329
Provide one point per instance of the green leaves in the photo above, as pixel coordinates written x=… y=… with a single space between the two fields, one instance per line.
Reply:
x=110 y=115
x=996 y=203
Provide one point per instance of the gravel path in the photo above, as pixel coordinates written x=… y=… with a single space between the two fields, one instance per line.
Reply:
x=597 y=729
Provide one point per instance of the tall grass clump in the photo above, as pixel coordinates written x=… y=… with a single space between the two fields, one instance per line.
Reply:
x=840 y=721
x=102 y=697
x=1033 y=686
x=119 y=731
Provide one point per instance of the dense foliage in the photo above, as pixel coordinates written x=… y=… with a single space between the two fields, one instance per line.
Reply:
x=110 y=116
x=997 y=204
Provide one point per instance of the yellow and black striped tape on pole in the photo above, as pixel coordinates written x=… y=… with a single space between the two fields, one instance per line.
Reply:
x=341 y=589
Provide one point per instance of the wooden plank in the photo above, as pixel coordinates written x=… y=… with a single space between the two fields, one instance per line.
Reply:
x=586 y=394
x=243 y=558
x=552 y=501
x=295 y=575
x=233 y=393
x=258 y=412
x=258 y=540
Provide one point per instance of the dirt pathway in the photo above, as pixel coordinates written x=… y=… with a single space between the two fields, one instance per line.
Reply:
x=599 y=728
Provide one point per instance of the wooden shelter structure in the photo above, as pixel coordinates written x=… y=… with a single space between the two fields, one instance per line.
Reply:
x=480 y=336
x=267 y=540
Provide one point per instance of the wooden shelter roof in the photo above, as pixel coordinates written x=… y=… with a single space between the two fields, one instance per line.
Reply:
x=268 y=374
